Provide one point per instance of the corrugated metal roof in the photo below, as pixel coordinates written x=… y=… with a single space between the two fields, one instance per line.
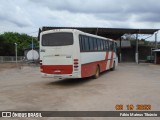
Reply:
x=158 y=50
x=113 y=33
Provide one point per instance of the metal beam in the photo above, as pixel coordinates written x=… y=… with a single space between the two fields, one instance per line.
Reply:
x=155 y=56
x=120 y=54
x=136 y=54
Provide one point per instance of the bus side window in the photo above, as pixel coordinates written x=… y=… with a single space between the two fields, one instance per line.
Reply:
x=99 y=44
x=81 y=43
x=115 y=47
x=95 y=44
x=91 y=44
x=104 y=45
x=86 y=43
x=107 y=47
x=112 y=46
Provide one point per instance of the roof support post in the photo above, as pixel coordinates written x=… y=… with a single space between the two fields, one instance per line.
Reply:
x=155 y=57
x=136 y=54
x=97 y=31
x=120 y=55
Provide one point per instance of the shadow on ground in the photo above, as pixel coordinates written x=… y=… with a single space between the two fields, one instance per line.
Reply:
x=74 y=82
x=70 y=82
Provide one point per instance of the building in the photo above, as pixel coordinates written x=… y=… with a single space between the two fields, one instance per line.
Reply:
x=157 y=56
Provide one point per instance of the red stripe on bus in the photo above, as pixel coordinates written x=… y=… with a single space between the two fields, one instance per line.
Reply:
x=57 y=69
x=111 y=61
x=89 y=69
x=107 y=53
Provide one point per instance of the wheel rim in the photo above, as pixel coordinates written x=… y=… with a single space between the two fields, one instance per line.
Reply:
x=114 y=65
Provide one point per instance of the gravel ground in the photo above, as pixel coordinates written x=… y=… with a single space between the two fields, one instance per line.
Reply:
x=24 y=89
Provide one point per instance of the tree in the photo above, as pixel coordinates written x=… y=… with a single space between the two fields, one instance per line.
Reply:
x=8 y=39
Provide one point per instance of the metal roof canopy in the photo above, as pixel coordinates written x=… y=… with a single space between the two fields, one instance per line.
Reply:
x=158 y=50
x=113 y=33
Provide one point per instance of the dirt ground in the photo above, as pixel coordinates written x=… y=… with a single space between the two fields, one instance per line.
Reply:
x=23 y=89
x=4 y=66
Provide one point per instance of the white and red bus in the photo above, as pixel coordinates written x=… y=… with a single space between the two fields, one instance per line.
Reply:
x=70 y=53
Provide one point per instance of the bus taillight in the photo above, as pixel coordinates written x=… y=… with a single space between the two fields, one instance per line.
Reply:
x=76 y=64
x=40 y=62
x=75 y=59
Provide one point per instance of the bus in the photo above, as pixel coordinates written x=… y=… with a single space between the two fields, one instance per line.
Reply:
x=70 y=53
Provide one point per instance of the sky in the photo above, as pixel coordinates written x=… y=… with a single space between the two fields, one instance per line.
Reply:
x=26 y=16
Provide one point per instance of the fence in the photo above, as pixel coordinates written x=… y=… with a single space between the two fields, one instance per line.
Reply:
x=10 y=58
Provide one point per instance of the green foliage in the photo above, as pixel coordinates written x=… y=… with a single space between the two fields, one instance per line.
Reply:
x=7 y=40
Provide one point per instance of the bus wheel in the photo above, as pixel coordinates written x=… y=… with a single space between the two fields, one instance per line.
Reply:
x=97 y=72
x=113 y=68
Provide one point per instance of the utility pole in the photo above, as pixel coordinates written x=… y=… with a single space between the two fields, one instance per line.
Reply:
x=156 y=40
x=120 y=54
x=97 y=31
x=32 y=50
x=155 y=57
x=16 y=51
x=136 y=55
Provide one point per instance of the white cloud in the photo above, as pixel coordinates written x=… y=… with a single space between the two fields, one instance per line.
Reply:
x=28 y=15
x=11 y=12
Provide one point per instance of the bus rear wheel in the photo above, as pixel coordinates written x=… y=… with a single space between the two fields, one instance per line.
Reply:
x=97 y=72
x=113 y=68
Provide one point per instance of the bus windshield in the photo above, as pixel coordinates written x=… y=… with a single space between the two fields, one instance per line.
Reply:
x=57 y=39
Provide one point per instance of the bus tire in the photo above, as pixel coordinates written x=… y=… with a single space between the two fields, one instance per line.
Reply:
x=113 y=68
x=97 y=72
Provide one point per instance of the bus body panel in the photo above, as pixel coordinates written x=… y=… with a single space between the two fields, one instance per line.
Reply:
x=57 y=61
x=69 y=62
x=104 y=60
x=88 y=57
